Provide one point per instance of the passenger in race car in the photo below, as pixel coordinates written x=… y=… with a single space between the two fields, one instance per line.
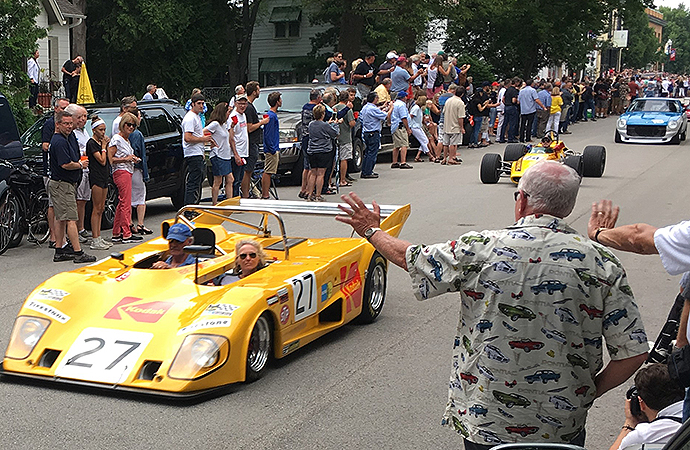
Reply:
x=249 y=258
x=179 y=236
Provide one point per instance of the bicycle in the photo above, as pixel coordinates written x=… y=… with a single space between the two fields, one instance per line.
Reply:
x=24 y=209
x=255 y=187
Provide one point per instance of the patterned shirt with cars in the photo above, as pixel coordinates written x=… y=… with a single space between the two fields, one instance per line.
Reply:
x=536 y=299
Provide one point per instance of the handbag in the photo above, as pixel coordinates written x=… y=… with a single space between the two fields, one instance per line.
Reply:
x=679 y=366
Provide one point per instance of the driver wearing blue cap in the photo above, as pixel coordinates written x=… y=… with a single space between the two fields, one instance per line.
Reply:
x=179 y=236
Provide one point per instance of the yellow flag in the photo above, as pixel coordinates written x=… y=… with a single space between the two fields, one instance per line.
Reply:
x=84 y=93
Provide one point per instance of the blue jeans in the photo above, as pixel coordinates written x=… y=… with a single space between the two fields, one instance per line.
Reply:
x=589 y=105
x=475 y=129
x=511 y=122
x=237 y=173
x=492 y=118
x=194 y=178
x=372 y=143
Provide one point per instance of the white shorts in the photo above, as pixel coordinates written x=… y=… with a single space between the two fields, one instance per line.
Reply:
x=452 y=138
x=440 y=132
x=345 y=151
x=84 y=188
x=138 y=188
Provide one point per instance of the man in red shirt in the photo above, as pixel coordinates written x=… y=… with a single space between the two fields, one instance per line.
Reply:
x=634 y=87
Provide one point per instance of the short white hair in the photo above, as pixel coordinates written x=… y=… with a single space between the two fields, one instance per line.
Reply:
x=551 y=188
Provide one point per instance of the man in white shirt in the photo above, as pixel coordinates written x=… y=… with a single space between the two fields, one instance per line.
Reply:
x=653 y=410
x=126 y=105
x=501 y=108
x=239 y=141
x=150 y=92
x=193 y=141
x=84 y=188
x=34 y=73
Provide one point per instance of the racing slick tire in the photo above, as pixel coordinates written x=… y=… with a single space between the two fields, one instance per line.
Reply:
x=593 y=161
x=513 y=152
x=574 y=162
x=490 y=169
x=617 y=138
x=259 y=348
x=374 y=289
x=354 y=165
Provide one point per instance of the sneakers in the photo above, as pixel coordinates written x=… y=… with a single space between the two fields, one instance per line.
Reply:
x=100 y=244
x=132 y=239
x=116 y=239
x=371 y=175
x=81 y=257
x=61 y=255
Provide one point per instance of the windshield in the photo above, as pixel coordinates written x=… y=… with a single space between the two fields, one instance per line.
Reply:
x=293 y=100
x=655 y=106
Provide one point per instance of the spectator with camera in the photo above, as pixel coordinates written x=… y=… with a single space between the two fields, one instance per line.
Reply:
x=653 y=409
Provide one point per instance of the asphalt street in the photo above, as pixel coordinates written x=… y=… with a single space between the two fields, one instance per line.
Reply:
x=379 y=386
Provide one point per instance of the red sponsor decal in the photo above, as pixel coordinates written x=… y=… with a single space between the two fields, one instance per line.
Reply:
x=352 y=286
x=149 y=312
x=284 y=314
x=122 y=277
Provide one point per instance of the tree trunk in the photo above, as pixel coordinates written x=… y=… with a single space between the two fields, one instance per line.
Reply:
x=350 y=38
x=79 y=32
x=249 y=13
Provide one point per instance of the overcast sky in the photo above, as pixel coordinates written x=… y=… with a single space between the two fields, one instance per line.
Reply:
x=671 y=3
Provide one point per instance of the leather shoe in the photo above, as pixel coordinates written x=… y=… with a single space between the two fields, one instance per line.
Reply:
x=371 y=175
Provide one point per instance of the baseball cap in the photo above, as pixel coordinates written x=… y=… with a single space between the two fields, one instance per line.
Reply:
x=402 y=94
x=239 y=97
x=179 y=232
x=495 y=83
x=486 y=83
x=402 y=59
x=391 y=55
x=441 y=53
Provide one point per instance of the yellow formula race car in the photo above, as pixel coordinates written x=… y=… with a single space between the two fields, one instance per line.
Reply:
x=519 y=157
x=119 y=324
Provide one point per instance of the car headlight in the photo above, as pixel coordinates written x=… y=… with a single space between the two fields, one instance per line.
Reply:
x=622 y=122
x=26 y=333
x=287 y=135
x=673 y=123
x=198 y=355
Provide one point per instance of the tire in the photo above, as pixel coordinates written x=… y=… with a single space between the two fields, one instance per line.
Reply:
x=259 y=348
x=111 y=201
x=9 y=220
x=295 y=178
x=675 y=139
x=683 y=135
x=593 y=161
x=490 y=170
x=355 y=164
x=37 y=221
x=617 y=138
x=513 y=152
x=374 y=289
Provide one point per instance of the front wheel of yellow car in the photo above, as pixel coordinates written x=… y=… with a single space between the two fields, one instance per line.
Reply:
x=259 y=350
x=374 y=290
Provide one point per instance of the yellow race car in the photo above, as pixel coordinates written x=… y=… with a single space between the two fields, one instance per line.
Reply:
x=119 y=324
x=519 y=157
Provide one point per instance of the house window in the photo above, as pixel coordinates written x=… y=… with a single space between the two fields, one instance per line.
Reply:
x=54 y=65
x=286 y=22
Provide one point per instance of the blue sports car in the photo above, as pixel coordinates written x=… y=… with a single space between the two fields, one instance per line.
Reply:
x=652 y=120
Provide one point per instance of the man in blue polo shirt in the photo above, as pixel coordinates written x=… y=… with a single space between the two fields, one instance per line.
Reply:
x=65 y=175
x=400 y=129
x=271 y=143
x=528 y=100
x=543 y=112
x=372 y=117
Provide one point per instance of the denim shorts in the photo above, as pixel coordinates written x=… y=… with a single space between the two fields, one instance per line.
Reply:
x=220 y=166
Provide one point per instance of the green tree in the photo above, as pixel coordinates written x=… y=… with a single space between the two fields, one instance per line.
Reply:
x=176 y=44
x=19 y=36
x=678 y=30
x=643 y=45
x=518 y=37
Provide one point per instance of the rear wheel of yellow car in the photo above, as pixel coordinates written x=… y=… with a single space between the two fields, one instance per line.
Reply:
x=593 y=161
x=374 y=290
x=259 y=349
x=513 y=152
x=574 y=162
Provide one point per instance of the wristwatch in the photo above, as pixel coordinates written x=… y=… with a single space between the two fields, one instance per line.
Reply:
x=369 y=232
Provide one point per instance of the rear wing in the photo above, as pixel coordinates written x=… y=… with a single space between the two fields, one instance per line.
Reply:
x=394 y=216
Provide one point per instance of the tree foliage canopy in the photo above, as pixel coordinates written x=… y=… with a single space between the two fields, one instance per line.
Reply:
x=678 y=30
x=19 y=40
x=518 y=37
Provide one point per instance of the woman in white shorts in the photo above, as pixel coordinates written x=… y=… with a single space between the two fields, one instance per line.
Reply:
x=221 y=153
x=139 y=178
